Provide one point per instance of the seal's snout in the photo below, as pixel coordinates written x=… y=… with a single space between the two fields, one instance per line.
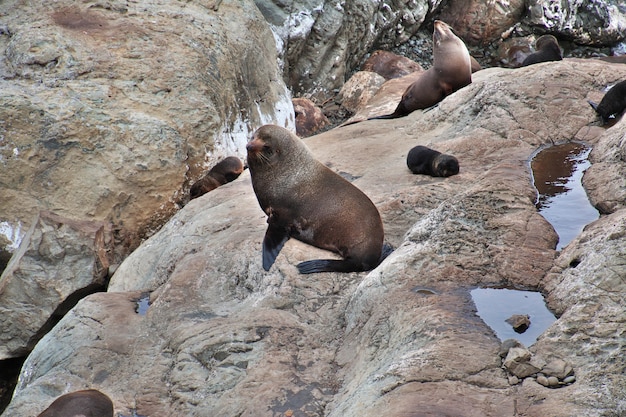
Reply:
x=255 y=145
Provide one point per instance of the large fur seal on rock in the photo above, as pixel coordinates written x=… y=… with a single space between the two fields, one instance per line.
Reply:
x=451 y=70
x=547 y=50
x=227 y=170
x=423 y=160
x=612 y=104
x=305 y=200
x=89 y=402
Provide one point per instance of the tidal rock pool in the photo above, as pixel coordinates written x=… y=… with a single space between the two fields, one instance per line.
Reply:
x=494 y=306
x=562 y=200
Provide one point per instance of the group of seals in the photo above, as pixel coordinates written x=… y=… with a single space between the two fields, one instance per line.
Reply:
x=426 y=161
x=305 y=200
x=88 y=403
x=612 y=104
x=451 y=70
x=547 y=50
x=227 y=170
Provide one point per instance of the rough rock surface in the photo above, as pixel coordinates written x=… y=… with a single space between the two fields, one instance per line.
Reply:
x=59 y=259
x=397 y=339
x=109 y=109
x=318 y=37
x=479 y=21
x=593 y=22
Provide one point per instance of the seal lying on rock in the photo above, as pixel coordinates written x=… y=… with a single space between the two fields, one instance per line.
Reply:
x=91 y=403
x=547 y=50
x=612 y=104
x=305 y=200
x=227 y=170
x=451 y=70
x=423 y=160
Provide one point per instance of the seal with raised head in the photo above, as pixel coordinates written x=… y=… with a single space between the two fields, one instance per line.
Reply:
x=612 y=104
x=426 y=161
x=88 y=402
x=547 y=50
x=451 y=70
x=307 y=201
x=225 y=171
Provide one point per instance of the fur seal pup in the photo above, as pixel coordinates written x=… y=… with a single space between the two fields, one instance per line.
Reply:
x=451 y=70
x=305 y=200
x=227 y=170
x=89 y=403
x=547 y=50
x=612 y=104
x=423 y=160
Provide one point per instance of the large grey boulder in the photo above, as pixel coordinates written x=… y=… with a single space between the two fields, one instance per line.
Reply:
x=400 y=338
x=111 y=109
x=59 y=261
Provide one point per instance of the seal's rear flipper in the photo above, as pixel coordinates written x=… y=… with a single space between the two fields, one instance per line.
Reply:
x=326 y=265
x=273 y=242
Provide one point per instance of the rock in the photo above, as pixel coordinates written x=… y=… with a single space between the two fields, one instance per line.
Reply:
x=558 y=368
x=480 y=23
x=111 y=108
x=519 y=322
x=603 y=179
x=541 y=379
x=389 y=65
x=553 y=381
x=219 y=328
x=318 y=42
x=512 y=52
x=59 y=261
x=597 y=25
x=309 y=117
x=507 y=345
x=517 y=362
x=570 y=379
x=359 y=89
x=513 y=380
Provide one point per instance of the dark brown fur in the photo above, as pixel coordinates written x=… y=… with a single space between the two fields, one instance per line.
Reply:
x=451 y=71
x=227 y=170
x=305 y=200
x=612 y=104
x=426 y=161
x=88 y=403
x=547 y=50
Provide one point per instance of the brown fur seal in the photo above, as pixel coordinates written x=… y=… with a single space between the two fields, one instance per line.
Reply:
x=227 y=170
x=423 y=160
x=612 y=104
x=547 y=50
x=305 y=200
x=88 y=403
x=451 y=70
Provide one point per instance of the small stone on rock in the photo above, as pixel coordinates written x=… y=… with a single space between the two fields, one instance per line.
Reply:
x=519 y=322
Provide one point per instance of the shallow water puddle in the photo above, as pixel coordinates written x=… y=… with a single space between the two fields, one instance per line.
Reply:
x=495 y=305
x=562 y=200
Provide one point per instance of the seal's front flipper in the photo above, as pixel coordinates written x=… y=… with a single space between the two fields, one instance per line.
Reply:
x=593 y=105
x=273 y=242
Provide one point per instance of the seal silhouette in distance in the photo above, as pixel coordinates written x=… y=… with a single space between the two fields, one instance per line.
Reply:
x=305 y=200
x=225 y=171
x=547 y=50
x=426 y=161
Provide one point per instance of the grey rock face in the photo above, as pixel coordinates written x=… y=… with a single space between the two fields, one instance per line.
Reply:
x=587 y=23
x=58 y=258
x=323 y=40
